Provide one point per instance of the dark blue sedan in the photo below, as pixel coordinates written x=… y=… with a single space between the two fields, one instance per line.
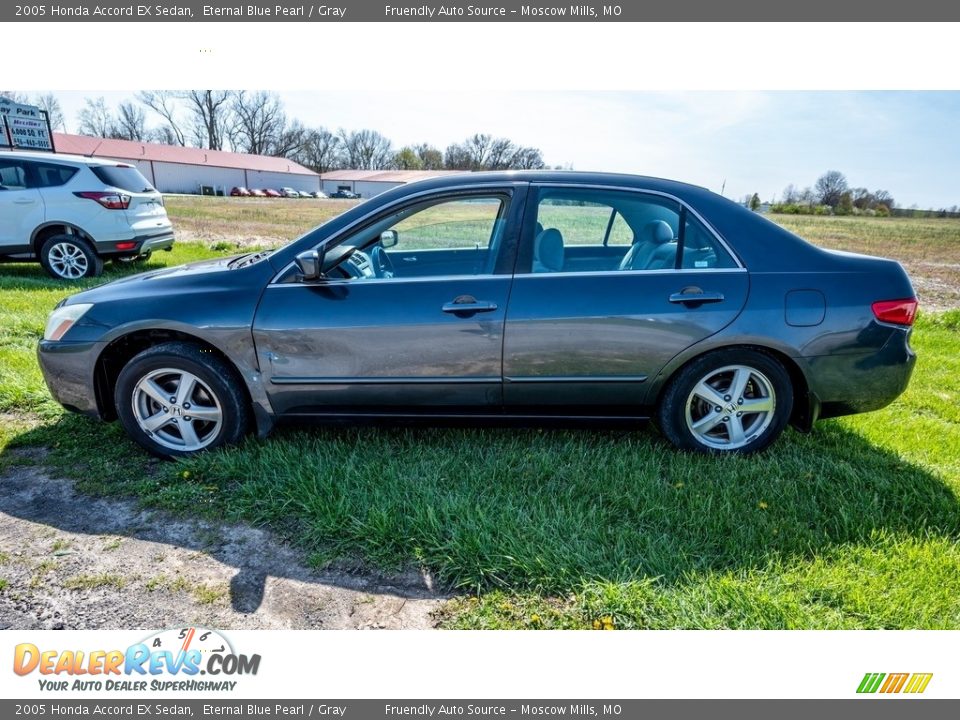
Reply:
x=507 y=295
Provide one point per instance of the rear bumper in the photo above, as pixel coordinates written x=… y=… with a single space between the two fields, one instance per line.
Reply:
x=68 y=369
x=143 y=243
x=850 y=383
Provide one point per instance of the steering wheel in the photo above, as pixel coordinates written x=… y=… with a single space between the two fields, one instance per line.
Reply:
x=382 y=264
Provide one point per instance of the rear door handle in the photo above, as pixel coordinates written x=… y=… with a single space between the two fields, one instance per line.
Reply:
x=694 y=297
x=468 y=305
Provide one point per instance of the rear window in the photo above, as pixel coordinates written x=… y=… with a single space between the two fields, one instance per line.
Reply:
x=125 y=177
x=50 y=175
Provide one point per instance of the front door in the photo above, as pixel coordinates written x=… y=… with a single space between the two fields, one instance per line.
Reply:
x=409 y=320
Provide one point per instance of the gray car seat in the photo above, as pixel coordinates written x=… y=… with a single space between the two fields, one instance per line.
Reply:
x=548 y=252
x=653 y=249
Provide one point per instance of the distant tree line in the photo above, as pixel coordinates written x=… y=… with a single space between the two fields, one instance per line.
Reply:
x=832 y=195
x=257 y=122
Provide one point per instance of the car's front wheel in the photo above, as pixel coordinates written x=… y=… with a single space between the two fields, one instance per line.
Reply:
x=178 y=399
x=729 y=401
x=67 y=257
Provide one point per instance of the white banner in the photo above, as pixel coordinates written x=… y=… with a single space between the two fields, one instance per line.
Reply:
x=197 y=662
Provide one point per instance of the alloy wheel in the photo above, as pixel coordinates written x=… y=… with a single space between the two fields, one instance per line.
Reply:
x=177 y=409
x=730 y=406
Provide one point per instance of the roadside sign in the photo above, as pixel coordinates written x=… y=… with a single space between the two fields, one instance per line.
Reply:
x=24 y=126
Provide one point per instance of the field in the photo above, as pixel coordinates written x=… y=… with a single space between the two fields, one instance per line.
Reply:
x=853 y=526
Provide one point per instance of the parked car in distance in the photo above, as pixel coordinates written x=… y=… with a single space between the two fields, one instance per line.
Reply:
x=345 y=195
x=70 y=213
x=319 y=194
x=289 y=192
x=498 y=295
x=271 y=193
x=257 y=193
x=239 y=192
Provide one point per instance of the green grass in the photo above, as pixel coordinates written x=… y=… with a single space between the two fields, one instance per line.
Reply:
x=854 y=526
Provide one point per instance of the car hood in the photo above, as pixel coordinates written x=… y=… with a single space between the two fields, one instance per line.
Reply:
x=197 y=277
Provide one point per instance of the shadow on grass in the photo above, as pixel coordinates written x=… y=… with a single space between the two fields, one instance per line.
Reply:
x=525 y=509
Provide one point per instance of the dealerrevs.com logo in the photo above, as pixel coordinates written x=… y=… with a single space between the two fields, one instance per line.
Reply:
x=891 y=683
x=168 y=660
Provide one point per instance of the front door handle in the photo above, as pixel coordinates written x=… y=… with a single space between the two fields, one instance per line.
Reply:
x=468 y=305
x=694 y=297
x=24 y=201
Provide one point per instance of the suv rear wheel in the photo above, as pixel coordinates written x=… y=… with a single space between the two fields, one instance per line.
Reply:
x=67 y=257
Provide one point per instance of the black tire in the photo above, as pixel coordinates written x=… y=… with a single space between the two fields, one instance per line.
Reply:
x=218 y=388
x=68 y=257
x=691 y=422
x=134 y=259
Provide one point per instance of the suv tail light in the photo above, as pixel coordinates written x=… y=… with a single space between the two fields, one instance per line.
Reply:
x=110 y=200
x=898 y=312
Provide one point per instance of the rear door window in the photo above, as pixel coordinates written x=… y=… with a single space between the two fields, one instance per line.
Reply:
x=52 y=175
x=13 y=174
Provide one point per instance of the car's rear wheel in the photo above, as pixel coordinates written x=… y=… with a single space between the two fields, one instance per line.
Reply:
x=67 y=257
x=729 y=401
x=178 y=399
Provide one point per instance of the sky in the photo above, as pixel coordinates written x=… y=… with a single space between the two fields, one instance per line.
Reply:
x=907 y=143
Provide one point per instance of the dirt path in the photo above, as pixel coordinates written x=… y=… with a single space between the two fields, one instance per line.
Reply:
x=71 y=561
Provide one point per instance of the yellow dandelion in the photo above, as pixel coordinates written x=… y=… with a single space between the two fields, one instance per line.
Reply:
x=678 y=485
x=534 y=618
x=762 y=505
x=185 y=475
x=597 y=625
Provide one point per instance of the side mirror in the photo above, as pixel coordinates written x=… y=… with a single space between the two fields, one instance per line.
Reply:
x=389 y=238
x=310 y=263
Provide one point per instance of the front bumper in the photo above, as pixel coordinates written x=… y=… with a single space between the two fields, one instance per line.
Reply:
x=68 y=369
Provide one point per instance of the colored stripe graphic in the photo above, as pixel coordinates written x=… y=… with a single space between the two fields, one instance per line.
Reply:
x=918 y=682
x=894 y=683
x=870 y=682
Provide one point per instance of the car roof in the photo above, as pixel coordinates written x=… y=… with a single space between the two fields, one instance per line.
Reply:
x=59 y=157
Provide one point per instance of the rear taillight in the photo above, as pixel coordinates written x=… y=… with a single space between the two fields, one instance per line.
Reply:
x=898 y=312
x=110 y=200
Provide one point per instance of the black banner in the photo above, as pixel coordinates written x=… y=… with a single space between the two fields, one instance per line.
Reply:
x=505 y=11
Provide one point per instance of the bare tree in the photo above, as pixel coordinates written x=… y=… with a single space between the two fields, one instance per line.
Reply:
x=366 y=149
x=321 y=151
x=51 y=105
x=830 y=187
x=259 y=122
x=430 y=157
x=485 y=152
x=16 y=96
x=528 y=158
x=290 y=142
x=210 y=116
x=95 y=118
x=131 y=123
x=164 y=104
x=790 y=195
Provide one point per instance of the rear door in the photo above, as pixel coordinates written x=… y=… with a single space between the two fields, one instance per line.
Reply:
x=585 y=340
x=21 y=206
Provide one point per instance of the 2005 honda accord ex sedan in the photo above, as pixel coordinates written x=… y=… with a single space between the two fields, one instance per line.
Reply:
x=507 y=295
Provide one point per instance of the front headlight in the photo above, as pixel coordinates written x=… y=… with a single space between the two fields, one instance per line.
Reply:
x=63 y=318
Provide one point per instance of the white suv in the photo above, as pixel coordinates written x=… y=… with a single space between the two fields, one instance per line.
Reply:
x=71 y=213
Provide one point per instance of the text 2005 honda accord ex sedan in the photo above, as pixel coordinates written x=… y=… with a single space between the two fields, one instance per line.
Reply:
x=513 y=295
